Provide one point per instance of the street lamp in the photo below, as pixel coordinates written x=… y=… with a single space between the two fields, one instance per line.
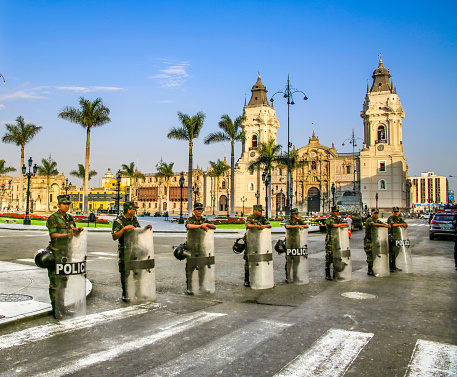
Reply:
x=243 y=200
x=181 y=185
x=353 y=140
x=377 y=200
x=195 y=190
x=333 y=194
x=288 y=93
x=257 y=195
x=29 y=174
x=118 y=188
x=66 y=186
x=266 y=178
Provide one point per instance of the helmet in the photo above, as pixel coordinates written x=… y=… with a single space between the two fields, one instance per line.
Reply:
x=44 y=258
x=180 y=252
x=280 y=246
x=239 y=246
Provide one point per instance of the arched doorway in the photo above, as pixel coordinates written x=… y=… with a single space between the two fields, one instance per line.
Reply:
x=223 y=203
x=314 y=200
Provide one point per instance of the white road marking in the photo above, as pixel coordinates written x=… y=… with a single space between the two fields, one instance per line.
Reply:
x=433 y=359
x=28 y=260
x=117 y=349
x=47 y=331
x=101 y=253
x=208 y=359
x=330 y=356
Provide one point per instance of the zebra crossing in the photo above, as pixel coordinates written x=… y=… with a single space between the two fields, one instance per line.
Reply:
x=331 y=355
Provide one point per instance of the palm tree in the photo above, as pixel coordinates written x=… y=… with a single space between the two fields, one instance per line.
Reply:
x=189 y=131
x=48 y=169
x=91 y=114
x=165 y=171
x=231 y=132
x=81 y=173
x=217 y=170
x=5 y=169
x=20 y=134
x=268 y=156
x=294 y=164
x=131 y=172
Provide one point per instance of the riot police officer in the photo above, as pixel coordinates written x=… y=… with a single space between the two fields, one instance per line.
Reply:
x=367 y=242
x=394 y=221
x=334 y=221
x=293 y=222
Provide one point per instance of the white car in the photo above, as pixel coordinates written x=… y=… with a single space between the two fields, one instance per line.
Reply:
x=425 y=216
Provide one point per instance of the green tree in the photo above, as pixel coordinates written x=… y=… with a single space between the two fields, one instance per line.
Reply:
x=81 y=173
x=268 y=157
x=130 y=172
x=217 y=170
x=90 y=114
x=231 y=132
x=20 y=134
x=48 y=170
x=165 y=171
x=191 y=127
x=5 y=169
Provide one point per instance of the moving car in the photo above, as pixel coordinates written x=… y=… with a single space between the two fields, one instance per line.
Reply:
x=441 y=224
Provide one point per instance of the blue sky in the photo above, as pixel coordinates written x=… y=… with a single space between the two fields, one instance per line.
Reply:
x=148 y=60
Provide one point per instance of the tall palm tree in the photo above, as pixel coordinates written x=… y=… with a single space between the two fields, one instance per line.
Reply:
x=294 y=164
x=5 y=169
x=231 y=132
x=131 y=172
x=217 y=170
x=165 y=171
x=81 y=173
x=91 y=114
x=268 y=156
x=191 y=127
x=20 y=134
x=48 y=169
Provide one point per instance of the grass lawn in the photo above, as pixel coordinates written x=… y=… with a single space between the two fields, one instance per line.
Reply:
x=43 y=222
x=274 y=224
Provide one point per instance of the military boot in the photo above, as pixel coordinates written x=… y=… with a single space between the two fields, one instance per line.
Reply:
x=246 y=279
x=370 y=271
x=327 y=274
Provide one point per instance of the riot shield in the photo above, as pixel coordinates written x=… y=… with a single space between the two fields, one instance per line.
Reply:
x=380 y=251
x=200 y=264
x=402 y=249
x=140 y=285
x=342 y=263
x=297 y=270
x=260 y=258
x=70 y=279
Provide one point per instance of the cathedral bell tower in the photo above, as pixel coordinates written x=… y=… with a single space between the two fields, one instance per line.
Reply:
x=383 y=168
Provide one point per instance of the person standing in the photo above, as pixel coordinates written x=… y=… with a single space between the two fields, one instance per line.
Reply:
x=124 y=223
x=256 y=220
x=334 y=221
x=454 y=223
x=293 y=222
x=371 y=222
x=394 y=221
x=62 y=228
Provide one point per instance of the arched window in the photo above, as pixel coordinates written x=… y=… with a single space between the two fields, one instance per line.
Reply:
x=223 y=184
x=381 y=134
x=280 y=171
x=251 y=187
x=313 y=165
x=254 y=141
x=382 y=184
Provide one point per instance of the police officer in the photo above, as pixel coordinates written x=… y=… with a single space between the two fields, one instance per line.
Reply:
x=194 y=222
x=454 y=223
x=367 y=242
x=124 y=223
x=294 y=222
x=62 y=228
x=334 y=221
x=256 y=220
x=394 y=221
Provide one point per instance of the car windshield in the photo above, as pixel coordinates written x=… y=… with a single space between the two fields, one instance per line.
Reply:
x=443 y=218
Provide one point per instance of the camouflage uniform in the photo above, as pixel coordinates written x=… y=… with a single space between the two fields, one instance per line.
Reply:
x=292 y=222
x=194 y=221
x=393 y=220
x=118 y=224
x=328 y=239
x=454 y=223
x=252 y=219
x=62 y=223
x=367 y=243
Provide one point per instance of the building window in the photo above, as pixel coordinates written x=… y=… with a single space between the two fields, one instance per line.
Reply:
x=313 y=165
x=251 y=187
x=348 y=169
x=382 y=166
x=280 y=171
x=382 y=185
x=254 y=141
x=223 y=184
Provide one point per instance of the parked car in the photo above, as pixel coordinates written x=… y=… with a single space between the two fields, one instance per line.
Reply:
x=442 y=224
x=425 y=216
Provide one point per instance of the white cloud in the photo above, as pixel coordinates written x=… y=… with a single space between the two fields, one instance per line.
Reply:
x=2 y=106
x=174 y=75
x=20 y=94
x=88 y=89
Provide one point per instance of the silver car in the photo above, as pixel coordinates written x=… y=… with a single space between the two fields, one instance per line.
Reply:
x=442 y=224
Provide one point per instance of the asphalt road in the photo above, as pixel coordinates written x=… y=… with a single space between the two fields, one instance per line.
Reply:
x=402 y=325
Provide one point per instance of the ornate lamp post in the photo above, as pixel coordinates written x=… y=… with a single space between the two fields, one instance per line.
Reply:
x=181 y=185
x=288 y=93
x=266 y=178
x=195 y=190
x=66 y=186
x=10 y=188
x=118 y=188
x=243 y=200
x=376 y=200
x=333 y=194
x=28 y=175
x=353 y=140
x=257 y=195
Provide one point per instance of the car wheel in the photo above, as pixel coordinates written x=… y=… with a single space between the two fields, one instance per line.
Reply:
x=432 y=236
